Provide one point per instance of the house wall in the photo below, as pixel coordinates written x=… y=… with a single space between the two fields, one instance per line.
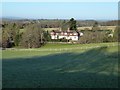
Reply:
x=60 y=37
x=53 y=36
x=73 y=37
x=67 y=35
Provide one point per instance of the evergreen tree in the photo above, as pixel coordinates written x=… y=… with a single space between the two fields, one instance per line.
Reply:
x=72 y=24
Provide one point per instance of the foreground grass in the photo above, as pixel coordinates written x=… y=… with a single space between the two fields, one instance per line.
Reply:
x=80 y=68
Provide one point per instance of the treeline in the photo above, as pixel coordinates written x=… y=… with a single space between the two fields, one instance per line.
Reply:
x=34 y=35
x=101 y=23
x=96 y=35
x=99 y=37
x=56 y=23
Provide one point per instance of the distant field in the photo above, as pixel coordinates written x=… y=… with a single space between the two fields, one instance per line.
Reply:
x=46 y=29
x=22 y=30
x=102 y=28
x=50 y=29
x=62 y=65
x=80 y=28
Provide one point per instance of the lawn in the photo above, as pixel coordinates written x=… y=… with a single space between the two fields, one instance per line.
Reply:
x=62 y=66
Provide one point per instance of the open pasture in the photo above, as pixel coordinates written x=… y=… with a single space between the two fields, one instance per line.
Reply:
x=61 y=66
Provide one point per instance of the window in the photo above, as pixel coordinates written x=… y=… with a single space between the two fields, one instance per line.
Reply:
x=65 y=33
x=75 y=33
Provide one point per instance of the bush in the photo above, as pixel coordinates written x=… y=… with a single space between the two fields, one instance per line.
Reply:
x=95 y=37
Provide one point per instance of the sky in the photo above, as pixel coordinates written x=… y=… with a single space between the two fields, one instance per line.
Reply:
x=60 y=0
x=61 y=10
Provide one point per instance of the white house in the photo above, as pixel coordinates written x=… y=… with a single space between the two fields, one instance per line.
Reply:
x=68 y=34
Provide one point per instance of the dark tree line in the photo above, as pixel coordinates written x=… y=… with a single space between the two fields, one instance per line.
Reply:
x=10 y=35
x=32 y=37
x=56 y=23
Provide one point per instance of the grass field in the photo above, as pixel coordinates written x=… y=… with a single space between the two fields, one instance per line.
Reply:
x=62 y=65
x=101 y=27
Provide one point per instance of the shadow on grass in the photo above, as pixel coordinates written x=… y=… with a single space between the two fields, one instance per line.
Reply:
x=95 y=68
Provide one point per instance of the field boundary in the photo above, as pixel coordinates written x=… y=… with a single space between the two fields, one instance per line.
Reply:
x=62 y=49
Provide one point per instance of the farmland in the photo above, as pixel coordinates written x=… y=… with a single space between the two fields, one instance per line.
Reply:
x=62 y=65
x=101 y=27
x=80 y=28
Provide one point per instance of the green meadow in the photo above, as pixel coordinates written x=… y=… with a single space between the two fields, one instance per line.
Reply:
x=61 y=66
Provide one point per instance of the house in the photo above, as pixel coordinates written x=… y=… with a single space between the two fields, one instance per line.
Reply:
x=67 y=34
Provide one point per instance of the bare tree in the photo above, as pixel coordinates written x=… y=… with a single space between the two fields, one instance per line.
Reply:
x=33 y=36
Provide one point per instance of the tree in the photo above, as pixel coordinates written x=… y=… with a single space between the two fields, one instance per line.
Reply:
x=33 y=37
x=94 y=37
x=5 y=38
x=72 y=24
x=9 y=32
x=116 y=34
x=17 y=35
x=47 y=35
x=95 y=26
x=64 y=25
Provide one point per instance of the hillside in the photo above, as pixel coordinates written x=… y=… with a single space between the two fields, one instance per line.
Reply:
x=62 y=66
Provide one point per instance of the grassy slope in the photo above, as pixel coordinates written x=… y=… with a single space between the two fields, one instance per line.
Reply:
x=50 y=49
x=95 y=67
